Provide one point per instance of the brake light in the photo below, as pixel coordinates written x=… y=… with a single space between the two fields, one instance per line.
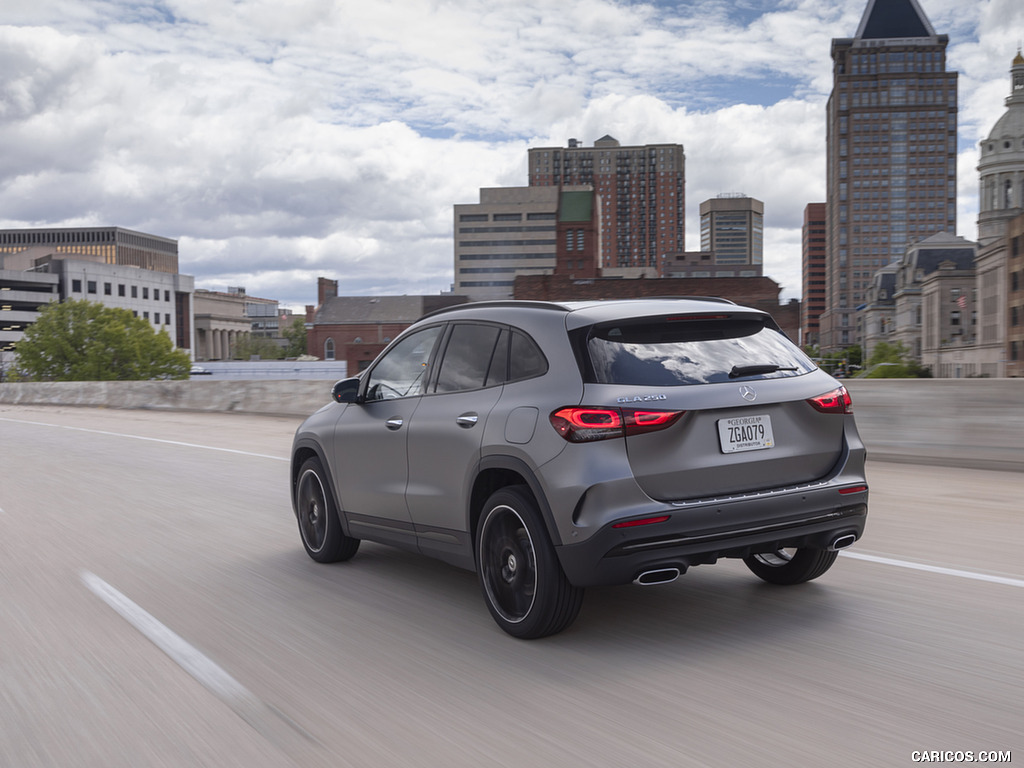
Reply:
x=836 y=401
x=584 y=424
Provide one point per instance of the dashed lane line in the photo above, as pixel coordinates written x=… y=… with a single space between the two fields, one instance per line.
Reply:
x=265 y=719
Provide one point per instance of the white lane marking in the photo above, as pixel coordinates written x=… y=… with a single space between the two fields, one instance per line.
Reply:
x=212 y=677
x=936 y=569
x=150 y=439
x=265 y=719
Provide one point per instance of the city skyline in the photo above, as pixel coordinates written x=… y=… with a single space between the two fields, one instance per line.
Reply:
x=277 y=145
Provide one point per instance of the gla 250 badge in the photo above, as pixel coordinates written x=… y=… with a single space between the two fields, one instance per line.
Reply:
x=640 y=398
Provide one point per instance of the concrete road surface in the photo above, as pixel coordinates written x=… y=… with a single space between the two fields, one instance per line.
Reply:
x=157 y=609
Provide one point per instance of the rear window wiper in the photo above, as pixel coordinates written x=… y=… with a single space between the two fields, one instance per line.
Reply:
x=752 y=370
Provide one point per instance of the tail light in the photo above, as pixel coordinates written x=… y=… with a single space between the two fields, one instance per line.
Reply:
x=584 y=424
x=836 y=401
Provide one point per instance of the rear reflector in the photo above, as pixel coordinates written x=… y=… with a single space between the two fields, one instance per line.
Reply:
x=641 y=521
x=854 y=489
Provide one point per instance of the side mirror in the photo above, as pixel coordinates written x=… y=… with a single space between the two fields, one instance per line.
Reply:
x=346 y=391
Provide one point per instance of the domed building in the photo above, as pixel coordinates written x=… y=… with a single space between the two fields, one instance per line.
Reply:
x=999 y=268
x=958 y=316
x=1001 y=166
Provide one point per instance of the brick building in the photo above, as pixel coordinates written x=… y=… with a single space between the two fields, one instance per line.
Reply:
x=356 y=328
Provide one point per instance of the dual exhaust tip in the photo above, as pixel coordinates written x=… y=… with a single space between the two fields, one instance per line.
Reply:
x=666 y=575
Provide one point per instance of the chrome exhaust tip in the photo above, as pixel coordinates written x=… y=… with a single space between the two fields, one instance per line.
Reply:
x=842 y=541
x=657 y=576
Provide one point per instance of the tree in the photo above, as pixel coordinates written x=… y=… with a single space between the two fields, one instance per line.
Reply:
x=843 y=362
x=893 y=361
x=296 y=335
x=86 y=341
x=258 y=347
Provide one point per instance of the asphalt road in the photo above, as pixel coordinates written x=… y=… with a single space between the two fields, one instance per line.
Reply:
x=157 y=609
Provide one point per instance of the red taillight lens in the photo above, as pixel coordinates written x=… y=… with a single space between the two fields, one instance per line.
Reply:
x=641 y=521
x=836 y=401
x=584 y=424
x=853 y=489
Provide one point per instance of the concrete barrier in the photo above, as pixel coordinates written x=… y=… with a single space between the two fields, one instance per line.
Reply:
x=975 y=423
x=268 y=397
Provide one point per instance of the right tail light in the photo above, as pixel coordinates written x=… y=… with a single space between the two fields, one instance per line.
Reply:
x=836 y=401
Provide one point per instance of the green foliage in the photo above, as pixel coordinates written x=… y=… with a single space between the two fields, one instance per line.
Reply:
x=86 y=341
x=893 y=361
x=258 y=347
x=844 y=362
x=296 y=335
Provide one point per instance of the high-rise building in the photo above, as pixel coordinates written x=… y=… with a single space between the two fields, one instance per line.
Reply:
x=891 y=153
x=813 y=263
x=512 y=230
x=732 y=227
x=525 y=231
x=642 y=197
x=105 y=245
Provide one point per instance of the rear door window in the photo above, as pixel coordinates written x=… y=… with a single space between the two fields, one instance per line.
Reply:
x=467 y=357
x=673 y=351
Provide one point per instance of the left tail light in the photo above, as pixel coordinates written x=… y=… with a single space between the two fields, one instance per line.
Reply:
x=584 y=424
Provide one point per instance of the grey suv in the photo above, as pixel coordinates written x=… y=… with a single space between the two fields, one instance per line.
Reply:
x=554 y=446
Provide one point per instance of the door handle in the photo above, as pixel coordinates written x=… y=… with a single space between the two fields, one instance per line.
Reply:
x=393 y=424
x=467 y=420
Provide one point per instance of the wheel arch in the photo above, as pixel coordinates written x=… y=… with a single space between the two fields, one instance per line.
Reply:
x=303 y=450
x=496 y=472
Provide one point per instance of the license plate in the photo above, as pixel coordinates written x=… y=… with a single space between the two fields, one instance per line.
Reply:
x=745 y=433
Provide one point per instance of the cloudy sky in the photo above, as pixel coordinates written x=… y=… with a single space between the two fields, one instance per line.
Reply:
x=281 y=141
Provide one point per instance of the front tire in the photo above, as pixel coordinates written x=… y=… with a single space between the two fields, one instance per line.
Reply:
x=319 y=525
x=791 y=566
x=523 y=583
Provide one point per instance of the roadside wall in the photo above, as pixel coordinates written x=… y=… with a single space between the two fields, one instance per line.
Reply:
x=975 y=423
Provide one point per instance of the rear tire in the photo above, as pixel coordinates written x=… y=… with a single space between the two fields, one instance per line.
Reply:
x=791 y=566
x=523 y=583
x=319 y=525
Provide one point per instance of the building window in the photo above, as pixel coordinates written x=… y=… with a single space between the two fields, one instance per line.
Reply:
x=145 y=293
x=135 y=291
x=76 y=286
x=91 y=286
x=167 y=319
x=120 y=289
x=167 y=295
x=107 y=289
x=329 y=349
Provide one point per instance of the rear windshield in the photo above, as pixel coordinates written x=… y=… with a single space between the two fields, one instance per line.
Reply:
x=671 y=351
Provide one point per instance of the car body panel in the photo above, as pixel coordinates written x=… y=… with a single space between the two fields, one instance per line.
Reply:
x=406 y=471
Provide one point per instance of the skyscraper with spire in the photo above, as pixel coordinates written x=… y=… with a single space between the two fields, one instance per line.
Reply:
x=891 y=159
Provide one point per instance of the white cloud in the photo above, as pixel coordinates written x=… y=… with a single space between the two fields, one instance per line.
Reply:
x=280 y=142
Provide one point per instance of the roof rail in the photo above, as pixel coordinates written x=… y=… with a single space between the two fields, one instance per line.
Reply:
x=718 y=299
x=552 y=305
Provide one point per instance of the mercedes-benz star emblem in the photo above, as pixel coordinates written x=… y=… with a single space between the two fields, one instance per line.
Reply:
x=748 y=393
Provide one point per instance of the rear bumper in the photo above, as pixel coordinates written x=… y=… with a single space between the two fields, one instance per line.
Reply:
x=704 y=532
